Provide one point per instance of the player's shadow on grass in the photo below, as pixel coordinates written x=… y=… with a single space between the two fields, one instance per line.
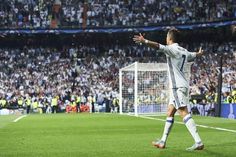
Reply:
x=213 y=149
x=222 y=144
x=214 y=153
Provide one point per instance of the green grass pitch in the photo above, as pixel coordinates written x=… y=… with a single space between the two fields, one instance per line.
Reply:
x=108 y=135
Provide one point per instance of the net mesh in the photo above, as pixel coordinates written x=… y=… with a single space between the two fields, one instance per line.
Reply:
x=152 y=87
x=128 y=91
x=152 y=91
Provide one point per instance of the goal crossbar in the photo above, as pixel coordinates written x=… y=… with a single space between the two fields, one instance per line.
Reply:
x=145 y=67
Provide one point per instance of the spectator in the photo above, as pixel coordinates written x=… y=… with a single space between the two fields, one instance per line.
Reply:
x=104 y=13
x=40 y=73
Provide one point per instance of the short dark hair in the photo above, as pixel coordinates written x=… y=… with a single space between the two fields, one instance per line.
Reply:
x=174 y=34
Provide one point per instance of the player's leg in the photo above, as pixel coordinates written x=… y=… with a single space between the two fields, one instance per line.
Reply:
x=169 y=122
x=168 y=125
x=182 y=101
x=191 y=126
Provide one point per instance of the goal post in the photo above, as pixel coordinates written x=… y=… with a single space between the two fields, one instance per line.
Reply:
x=144 y=88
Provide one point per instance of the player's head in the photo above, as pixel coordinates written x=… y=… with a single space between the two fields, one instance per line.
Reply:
x=172 y=36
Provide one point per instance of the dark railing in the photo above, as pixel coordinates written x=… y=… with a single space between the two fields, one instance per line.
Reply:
x=116 y=29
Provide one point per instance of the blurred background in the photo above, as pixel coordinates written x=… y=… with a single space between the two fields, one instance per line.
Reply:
x=64 y=55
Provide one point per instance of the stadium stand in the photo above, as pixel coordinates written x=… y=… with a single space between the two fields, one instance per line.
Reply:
x=84 y=72
x=43 y=73
x=100 y=13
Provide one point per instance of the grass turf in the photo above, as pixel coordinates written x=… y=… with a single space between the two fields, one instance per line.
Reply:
x=108 y=135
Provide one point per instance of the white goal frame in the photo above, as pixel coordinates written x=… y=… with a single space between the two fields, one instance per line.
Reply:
x=137 y=67
x=150 y=67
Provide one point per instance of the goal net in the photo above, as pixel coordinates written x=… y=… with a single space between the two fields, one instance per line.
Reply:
x=144 y=88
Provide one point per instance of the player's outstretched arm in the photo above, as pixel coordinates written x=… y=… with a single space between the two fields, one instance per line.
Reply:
x=200 y=52
x=139 y=39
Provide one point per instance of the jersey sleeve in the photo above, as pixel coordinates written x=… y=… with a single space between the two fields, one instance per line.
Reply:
x=167 y=50
x=191 y=56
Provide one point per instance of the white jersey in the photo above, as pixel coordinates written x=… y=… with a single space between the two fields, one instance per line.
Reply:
x=177 y=57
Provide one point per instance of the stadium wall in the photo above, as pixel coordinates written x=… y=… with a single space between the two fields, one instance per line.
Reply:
x=117 y=30
x=228 y=110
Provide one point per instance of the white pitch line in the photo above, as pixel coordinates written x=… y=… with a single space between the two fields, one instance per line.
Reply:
x=202 y=126
x=19 y=118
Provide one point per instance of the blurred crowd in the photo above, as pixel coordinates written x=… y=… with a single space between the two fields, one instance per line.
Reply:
x=71 y=74
x=149 y=12
x=25 y=13
x=75 y=77
x=112 y=13
x=205 y=78
x=54 y=78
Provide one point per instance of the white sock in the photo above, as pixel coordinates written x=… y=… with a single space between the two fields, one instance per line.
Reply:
x=168 y=125
x=190 y=124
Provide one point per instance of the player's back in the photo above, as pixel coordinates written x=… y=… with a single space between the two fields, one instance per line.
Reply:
x=177 y=58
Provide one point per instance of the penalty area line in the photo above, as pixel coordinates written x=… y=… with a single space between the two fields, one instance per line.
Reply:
x=19 y=118
x=202 y=126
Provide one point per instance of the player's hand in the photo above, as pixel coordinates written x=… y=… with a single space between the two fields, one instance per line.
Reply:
x=138 y=39
x=200 y=52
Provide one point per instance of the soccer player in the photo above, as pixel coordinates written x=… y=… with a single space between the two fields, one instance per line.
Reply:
x=177 y=57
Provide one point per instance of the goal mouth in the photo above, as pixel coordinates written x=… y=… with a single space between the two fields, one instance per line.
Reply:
x=148 y=109
x=144 y=88
x=156 y=114
x=151 y=108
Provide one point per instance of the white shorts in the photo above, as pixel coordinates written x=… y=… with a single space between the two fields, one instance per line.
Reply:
x=179 y=97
